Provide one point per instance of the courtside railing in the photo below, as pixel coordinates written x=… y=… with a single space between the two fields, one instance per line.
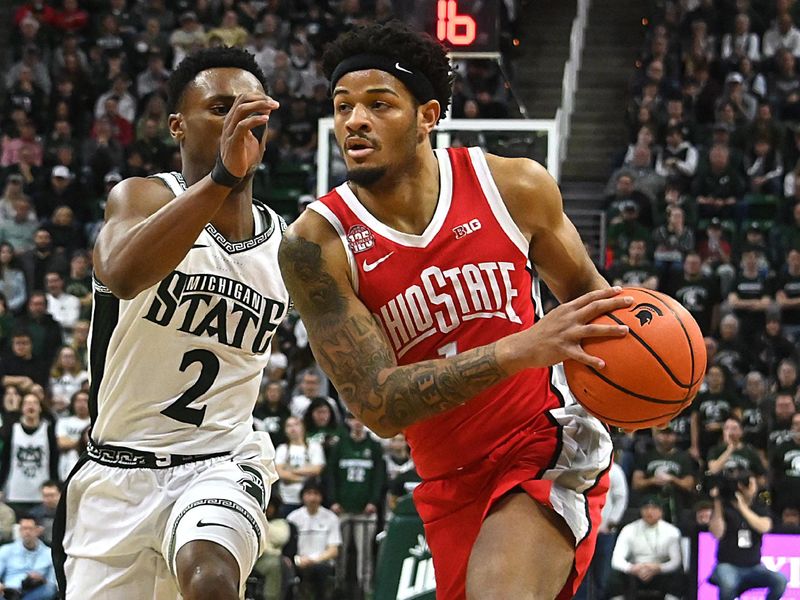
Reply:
x=569 y=84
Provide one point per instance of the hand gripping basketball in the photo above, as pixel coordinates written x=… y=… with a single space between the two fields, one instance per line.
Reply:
x=651 y=374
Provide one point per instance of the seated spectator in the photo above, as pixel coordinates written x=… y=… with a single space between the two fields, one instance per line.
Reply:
x=751 y=294
x=397 y=456
x=6 y=322
x=789 y=521
x=125 y=101
x=189 y=36
x=671 y=242
x=647 y=556
x=697 y=292
x=79 y=281
x=12 y=279
x=771 y=346
x=741 y=42
x=787 y=378
x=29 y=456
x=45 y=331
x=26 y=565
x=678 y=159
x=624 y=191
x=710 y=410
x=69 y=431
x=787 y=294
x=717 y=185
x=783 y=35
x=318 y=540
x=764 y=168
x=763 y=127
x=321 y=424
x=628 y=229
x=20 y=368
x=779 y=422
x=733 y=452
x=64 y=307
x=784 y=87
x=45 y=513
x=634 y=269
x=80 y=337
x=41 y=259
x=296 y=461
x=784 y=469
x=667 y=473
x=755 y=411
x=310 y=387
x=271 y=412
x=732 y=354
x=743 y=103
x=154 y=78
x=28 y=140
x=229 y=32
x=67 y=376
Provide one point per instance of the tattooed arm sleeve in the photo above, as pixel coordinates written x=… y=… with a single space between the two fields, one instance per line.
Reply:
x=352 y=349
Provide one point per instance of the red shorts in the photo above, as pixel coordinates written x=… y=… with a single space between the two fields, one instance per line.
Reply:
x=453 y=507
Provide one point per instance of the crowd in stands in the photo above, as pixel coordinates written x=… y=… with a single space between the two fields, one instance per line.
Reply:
x=703 y=205
x=84 y=107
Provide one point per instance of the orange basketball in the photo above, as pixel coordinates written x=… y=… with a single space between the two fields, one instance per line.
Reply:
x=652 y=373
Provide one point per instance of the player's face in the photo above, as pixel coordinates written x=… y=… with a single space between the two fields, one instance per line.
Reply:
x=206 y=101
x=376 y=124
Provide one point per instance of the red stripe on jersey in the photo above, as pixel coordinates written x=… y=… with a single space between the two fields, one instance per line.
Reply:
x=463 y=283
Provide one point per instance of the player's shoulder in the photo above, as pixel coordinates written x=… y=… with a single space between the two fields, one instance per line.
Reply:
x=140 y=195
x=528 y=190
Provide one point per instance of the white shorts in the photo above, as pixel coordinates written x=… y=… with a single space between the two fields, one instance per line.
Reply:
x=123 y=527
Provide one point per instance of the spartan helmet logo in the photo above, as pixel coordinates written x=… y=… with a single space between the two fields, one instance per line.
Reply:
x=646 y=312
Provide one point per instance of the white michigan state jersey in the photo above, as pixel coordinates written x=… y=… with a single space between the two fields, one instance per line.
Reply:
x=176 y=370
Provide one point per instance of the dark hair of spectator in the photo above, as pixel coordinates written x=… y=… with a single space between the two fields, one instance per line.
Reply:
x=308 y=419
x=396 y=41
x=209 y=58
x=51 y=483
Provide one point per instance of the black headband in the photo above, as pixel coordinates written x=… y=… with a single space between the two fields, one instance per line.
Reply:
x=416 y=82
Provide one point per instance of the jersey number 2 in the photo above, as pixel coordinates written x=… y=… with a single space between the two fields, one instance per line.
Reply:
x=209 y=369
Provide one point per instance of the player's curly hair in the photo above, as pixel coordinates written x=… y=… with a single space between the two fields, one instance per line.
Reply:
x=209 y=58
x=397 y=41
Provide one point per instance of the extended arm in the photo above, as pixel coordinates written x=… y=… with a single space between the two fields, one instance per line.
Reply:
x=350 y=346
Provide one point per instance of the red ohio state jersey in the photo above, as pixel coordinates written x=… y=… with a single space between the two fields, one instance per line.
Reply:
x=465 y=282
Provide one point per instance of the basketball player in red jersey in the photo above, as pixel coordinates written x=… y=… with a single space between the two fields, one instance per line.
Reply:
x=415 y=283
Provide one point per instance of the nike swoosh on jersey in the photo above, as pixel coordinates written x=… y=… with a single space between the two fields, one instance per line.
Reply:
x=198 y=246
x=370 y=266
x=200 y=523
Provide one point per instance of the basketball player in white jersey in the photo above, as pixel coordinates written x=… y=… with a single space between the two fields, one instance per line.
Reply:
x=169 y=498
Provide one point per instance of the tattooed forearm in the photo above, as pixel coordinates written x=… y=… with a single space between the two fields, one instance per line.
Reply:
x=313 y=290
x=357 y=357
x=351 y=348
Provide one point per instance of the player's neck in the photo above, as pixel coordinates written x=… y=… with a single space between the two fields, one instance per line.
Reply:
x=406 y=198
x=234 y=219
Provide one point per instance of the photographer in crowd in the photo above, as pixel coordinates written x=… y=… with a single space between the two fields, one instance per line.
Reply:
x=738 y=521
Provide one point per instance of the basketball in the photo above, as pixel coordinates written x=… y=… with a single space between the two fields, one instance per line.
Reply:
x=652 y=373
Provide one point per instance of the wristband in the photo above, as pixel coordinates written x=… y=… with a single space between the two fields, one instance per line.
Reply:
x=221 y=176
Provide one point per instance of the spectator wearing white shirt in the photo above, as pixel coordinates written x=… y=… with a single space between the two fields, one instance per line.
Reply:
x=65 y=308
x=678 y=158
x=741 y=43
x=647 y=556
x=296 y=461
x=67 y=376
x=318 y=540
x=783 y=34
x=310 y=388
x=69 y=430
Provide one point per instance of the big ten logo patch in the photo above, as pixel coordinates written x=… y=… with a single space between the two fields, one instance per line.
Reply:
x=467 y=228
x=360 y=239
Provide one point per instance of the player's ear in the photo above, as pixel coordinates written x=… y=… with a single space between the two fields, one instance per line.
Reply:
x=176 y=126
x=428 y=116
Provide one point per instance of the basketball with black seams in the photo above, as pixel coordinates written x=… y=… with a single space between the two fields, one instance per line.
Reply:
x=652 y=373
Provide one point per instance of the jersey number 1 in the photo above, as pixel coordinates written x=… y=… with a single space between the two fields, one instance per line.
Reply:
x=209 y=369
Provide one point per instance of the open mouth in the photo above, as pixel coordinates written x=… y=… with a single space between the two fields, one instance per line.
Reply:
x=358 y=147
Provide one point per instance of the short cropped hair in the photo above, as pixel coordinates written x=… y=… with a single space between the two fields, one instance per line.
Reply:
x=397 y=41
x=209 y=58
